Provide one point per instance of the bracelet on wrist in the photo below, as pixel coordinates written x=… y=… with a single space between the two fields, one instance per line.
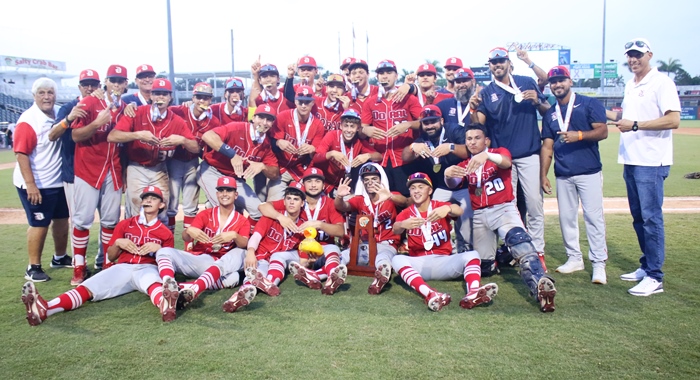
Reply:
x=580 y=135
x=531 y=65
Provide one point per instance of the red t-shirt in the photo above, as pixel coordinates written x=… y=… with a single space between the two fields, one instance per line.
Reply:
x=440 y=230
x=141 y=234
x=327 y=214
x=334 y=171
x=219 y=110
x=496 y=186
x=274 y=238
x=238 y=136
x=197 y=128
x=385 y=214
x=150 y=155
x=96 y=156
x=386 y=114
x=284 y=129
x=208 y=221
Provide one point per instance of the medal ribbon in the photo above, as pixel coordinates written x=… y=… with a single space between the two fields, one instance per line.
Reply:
x=156 y=115
x=436 y=160
x=343 y=150
x=301 y=139
x=425 y=227
x=255 y=136
x=220 y=229
x=564 y=123
x=317 y=210
x=461 y=114
x=513 y=90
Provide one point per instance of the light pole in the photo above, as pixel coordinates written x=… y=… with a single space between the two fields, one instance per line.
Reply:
x=602 y=64
x=171 y=65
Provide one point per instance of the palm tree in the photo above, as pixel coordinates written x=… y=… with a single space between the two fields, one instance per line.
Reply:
x=672 y=66
x=440 y=70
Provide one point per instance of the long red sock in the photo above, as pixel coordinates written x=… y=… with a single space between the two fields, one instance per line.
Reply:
x=472 y=275
x=155 y=291
x=206 y=280
x=414 y=280
x=79 y=241
x=276 y=272
x=69 y=300
x=165 y=267
x=332 y=262
x=106 y=235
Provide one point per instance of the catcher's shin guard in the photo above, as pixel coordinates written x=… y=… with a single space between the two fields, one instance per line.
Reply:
x=522 y=249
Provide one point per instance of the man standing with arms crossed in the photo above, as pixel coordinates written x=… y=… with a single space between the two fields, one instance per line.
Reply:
x=650 y=110
x=508 y=107
x=571 y=130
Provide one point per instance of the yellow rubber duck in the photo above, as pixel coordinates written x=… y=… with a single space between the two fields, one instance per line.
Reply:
x=310 y=245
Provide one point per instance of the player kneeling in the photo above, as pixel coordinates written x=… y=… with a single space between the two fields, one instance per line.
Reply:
x=430 y=247
x=219 y=235
x=487 y=173
x=133 y=247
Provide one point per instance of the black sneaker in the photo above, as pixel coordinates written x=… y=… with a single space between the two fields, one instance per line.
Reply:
x=64 y=262
x=36 y=274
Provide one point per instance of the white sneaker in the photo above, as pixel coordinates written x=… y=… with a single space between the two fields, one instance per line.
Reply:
x=647 y=287
x=571 y=265
x=637 y=275
x=599 y=276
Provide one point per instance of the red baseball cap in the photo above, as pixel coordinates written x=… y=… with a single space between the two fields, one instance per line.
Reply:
x=336 y=78
x=304 y=93
x=453 y=62
x=346 y=62
x=296 y=188
x=313 y=173
x=426 y=68
x=89 y=74
x=419 y=177
x=226 y=183
x=265 y=109
x=464 y=73
x=145 y=69
x=203 y=88
x=358 y=63
x=162 y=84
x=558 y=72
x=307 y=61
x=386 y=64
x=117 y=71
x=152 y=190
x=430 y=111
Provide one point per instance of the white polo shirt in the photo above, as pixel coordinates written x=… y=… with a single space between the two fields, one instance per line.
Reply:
x=649 y=99
x=32 y=138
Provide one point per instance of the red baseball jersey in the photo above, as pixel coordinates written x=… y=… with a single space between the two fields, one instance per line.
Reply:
x=280 y=104
x=150 y=155
x=333 y=170
x=496 y=186
x=439 y=96
x=312 y=85
x=274 y=238
x=326 y=213
x=360 y=101
x=384 y=213
x=284 y=129
x=96 y=156
x=141 y=234
x=238 y=135
x=197 y=128
x=329 y=116
x=208 y=221
x=385 y=115
x=440 y=231
x=220 y=111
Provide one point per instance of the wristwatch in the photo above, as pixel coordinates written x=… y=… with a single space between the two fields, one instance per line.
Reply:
x=635 y=127
x=452 y=147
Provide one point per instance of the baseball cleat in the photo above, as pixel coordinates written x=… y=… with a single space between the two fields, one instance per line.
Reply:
x=261 y=282
x=545 y=294
x=335 y=279
x=80 y=274
x=305 y=276
x=36 y=306
x=64 y=262
x=436 y=300
x=242 y=297
x=381 y=277
x=168 y=301
x=185 y=298
x=480 y=296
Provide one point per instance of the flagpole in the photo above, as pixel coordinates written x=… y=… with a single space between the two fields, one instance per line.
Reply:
x=367 y=47
x=353 y=39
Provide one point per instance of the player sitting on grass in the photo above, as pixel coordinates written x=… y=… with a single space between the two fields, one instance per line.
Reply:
x=427 y=225
x=487 y=173
x=219 y=235
x=133 y=247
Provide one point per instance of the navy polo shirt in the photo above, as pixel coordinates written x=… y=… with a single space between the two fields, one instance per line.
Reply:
x=580 y=157
x=512 y=125
x=454 y=134
x=448 y=107
x=132 y=98
x=67 y=144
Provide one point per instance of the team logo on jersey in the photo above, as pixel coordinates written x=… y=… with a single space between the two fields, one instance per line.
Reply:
x=38 y=216
x=494 y=98
x=554 y=117
x=452 y=112
x=641 y=93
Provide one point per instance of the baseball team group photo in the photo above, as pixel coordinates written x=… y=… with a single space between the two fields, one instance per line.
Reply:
x=489 y=214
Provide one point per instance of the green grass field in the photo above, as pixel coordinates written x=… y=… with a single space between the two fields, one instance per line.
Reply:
x=596 y=331
x=6 y=156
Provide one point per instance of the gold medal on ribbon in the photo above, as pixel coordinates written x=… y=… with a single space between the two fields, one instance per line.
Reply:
x=436 y=168
x=478 y=192
x=216 y=247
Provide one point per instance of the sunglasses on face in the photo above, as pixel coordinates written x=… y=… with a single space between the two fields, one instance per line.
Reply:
x=635 y=54
x=498 y=53
x=146 y=76
x=90 y=85
x=637 y=43
x=117 y=80
x=160 y=93
x=202 y=97
x=304 y=102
